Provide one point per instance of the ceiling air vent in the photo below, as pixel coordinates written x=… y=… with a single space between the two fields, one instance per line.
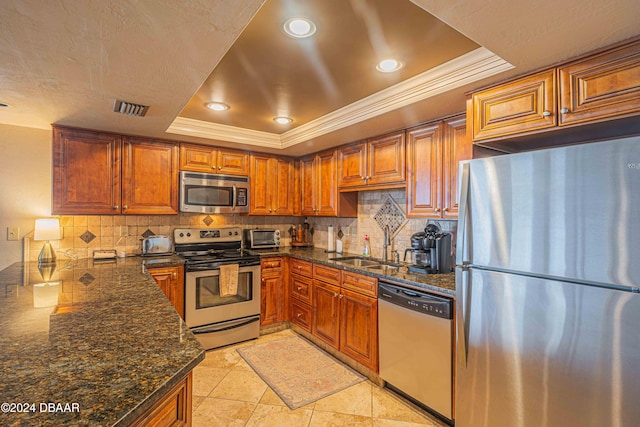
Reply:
x=129 y=108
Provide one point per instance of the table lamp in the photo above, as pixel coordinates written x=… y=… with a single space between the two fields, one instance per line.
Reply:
x=47 y=229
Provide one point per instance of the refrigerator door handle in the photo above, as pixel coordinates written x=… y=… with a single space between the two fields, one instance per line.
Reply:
x=463 y=306
x=464 y=242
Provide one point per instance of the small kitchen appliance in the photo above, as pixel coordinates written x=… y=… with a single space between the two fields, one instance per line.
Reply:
x=222 y=285
x=213 y=193
x=430 y=251
x=157 y=245
x=260 y=238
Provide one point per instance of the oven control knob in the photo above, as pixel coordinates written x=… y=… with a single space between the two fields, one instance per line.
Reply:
x=181 y=234
x=188 y=234
x=230 y=233
x=236 y=233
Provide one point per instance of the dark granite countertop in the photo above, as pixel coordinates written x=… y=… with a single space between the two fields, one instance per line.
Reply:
x=441 y=283
x=101 y=335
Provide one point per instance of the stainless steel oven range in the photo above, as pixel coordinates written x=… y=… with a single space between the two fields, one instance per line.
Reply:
x=220 y=309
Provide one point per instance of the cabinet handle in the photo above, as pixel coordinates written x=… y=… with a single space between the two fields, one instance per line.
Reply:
x=299 y=268
x=546 y=113
x=445 y=210
x=436 y=210
x=341 y=296
x=219 y=167
x=125 y=207
x=213 y=167
x=335 y=295
x=564 y=110
x=263 y=280
x=299 y=288
x=116 y=207
x=299 y=315
x=270 y=210
x=174 y=275
x=273 y=264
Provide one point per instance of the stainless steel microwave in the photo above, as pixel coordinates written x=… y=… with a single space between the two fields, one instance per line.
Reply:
x=213 y=193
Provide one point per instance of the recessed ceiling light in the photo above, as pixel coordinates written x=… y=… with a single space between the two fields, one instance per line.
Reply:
x=217 y=106
x=283 y=120
x=389 y=65
x=299 y=27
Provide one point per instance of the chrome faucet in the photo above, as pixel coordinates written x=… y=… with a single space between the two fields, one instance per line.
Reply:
x=386 y=242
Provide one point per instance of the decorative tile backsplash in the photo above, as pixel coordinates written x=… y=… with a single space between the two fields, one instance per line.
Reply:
x=390 y=215
x=125 y=232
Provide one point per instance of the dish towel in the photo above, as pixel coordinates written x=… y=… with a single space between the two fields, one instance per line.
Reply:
x=228 y=280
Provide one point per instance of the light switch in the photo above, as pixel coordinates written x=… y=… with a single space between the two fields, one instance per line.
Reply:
x=13 y=233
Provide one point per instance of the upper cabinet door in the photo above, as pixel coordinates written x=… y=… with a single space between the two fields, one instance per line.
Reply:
x=86 y=172
x=352 y=165
x=283 y=190
x=527 y=104
x=260 y=185
x=231 y=162
x=601 y=87
x=150 y=177
x=308 y=185
x=456 y=146
x=386 y=160
x=197 y=158
x=327 y=176
x=423 y=166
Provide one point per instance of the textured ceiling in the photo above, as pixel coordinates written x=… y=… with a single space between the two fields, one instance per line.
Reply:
x=65 y=61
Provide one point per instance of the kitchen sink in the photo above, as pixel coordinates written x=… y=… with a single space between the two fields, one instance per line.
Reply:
x=368 y=263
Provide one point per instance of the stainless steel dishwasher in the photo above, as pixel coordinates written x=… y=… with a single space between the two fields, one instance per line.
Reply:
x=415 y=330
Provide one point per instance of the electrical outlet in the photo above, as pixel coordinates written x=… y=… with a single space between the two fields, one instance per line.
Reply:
x=13 y=233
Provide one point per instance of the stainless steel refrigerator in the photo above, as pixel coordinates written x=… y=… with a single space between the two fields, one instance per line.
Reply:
x=547 y=282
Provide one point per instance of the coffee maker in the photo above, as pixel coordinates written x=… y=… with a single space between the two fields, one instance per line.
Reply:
x=430 y=251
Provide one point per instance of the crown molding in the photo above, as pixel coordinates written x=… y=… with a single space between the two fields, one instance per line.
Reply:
x=468 y=68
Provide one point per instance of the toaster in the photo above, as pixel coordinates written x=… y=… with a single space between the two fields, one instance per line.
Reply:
x=157 y=245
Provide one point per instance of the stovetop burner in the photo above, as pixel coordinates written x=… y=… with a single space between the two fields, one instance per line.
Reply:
x=212 y=247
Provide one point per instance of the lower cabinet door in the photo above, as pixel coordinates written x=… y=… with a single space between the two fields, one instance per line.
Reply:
x=272 y=297
x=359 y=328
x=326 y=321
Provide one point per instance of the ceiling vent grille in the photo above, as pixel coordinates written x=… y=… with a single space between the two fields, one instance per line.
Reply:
x=129 y=108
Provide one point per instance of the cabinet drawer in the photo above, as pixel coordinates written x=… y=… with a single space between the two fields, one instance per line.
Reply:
x=301 y=267
x=327 y=274
x=301 y=314
x=271 y=265
x=301 y=288
x=363 y=284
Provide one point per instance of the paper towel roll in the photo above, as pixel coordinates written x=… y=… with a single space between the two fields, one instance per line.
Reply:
x=331 y=239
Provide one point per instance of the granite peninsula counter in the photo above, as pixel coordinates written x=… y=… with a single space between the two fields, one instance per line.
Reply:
x=100 y=339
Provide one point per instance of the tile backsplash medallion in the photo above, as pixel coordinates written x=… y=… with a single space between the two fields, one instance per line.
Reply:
x=84 y=234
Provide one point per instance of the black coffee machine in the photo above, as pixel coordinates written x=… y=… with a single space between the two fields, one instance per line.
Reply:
x=430 y=251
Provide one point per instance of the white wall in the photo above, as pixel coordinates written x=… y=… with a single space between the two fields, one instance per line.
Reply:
x=25 y=184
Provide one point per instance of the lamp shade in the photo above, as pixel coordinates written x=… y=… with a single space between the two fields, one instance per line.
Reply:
x=47 y=229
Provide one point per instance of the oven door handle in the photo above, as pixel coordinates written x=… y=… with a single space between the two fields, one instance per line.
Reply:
x=225 y=326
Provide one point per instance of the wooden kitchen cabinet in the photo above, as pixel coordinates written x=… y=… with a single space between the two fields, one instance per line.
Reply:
x=273 y=288
x=359 y=328
x=171 y=281
x=319 y=188
x=203 y=158
x=272 y=185
x=378 y=163
x=149 y=177
x=173 y=409
x=433 y=155
x=587 y=92
x=524 y=105
x=600 y=87
x=326 y=313
x=345 y=313
x=101 y=173
x=300 y=292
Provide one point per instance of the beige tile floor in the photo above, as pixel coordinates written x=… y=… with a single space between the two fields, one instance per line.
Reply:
x=227 y=392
